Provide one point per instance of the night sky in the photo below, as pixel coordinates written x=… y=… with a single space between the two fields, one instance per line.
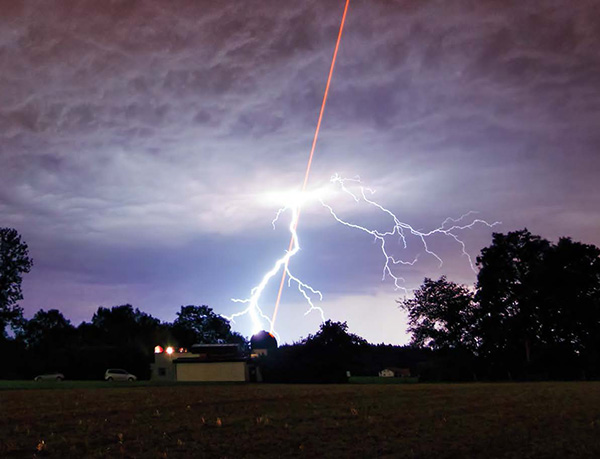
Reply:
x=144 y=145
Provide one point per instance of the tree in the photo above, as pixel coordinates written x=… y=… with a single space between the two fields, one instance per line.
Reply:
x=571 y=295
x=201 y=325
x=49 y=339
x=120 y=336
x=332 y=351
x=324 y=357
x=125 y=326
x=47 y=330
x=334 y=335
x=441 y=315
x=539 y=303
x=510 y=294
x=14 y=262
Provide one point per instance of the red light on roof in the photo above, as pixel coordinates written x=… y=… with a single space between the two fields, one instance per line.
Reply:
x=158 y=350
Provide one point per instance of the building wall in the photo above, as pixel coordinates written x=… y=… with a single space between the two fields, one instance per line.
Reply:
x=163 y=369
x=214 y=371
x=162 y=372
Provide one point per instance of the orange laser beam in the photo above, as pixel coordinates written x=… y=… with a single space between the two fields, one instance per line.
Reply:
x=310 y=158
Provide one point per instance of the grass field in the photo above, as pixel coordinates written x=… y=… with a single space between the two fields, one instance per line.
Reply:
x=378 y=380
x=95 y=384
x=521 y=420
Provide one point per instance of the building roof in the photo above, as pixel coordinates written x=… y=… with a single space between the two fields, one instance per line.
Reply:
x=181 y=360
x=396 y=368
x=217 y=345
x=216 y=349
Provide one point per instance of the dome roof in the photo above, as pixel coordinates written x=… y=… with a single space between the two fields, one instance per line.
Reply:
x=263 y=340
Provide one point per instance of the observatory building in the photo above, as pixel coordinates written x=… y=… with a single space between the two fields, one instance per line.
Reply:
x=211 y=362
x=204 y=362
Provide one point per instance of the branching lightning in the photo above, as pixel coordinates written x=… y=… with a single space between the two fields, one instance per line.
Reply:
x=398 y=230
x=253 y=308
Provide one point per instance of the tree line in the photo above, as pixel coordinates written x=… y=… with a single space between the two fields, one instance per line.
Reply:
x=124 y=336
x=120 y=336
x=333 y=353
x=534 y=313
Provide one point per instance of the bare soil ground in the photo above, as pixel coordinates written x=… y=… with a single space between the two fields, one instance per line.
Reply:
x=520 y=420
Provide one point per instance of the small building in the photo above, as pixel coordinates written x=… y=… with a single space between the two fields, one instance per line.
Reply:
x=204 y=362
x=212 y=362
x=395 y=372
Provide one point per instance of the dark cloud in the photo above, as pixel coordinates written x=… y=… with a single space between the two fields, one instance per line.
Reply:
x=133 y=134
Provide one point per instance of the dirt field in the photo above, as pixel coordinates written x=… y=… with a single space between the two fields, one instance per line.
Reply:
x=342 y=421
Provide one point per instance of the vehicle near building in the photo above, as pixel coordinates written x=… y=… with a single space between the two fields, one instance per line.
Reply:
x=50 y=377
x=117 y=374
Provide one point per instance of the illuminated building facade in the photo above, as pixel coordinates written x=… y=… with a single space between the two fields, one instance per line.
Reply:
x=211 y=362
x=203 y=362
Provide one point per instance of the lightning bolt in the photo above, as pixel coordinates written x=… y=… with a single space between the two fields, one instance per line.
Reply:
x=360 y=194
x=253 y=308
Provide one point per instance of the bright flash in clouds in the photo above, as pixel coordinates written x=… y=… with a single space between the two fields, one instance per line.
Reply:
x=398 y=233
x=288 y=199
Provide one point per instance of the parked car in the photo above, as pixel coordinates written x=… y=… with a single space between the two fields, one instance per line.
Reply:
x=113 y=374
x=50 y=377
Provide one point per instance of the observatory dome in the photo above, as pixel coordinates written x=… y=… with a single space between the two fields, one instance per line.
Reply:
x=263 y=340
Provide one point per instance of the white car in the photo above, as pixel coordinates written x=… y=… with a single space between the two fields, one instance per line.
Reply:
x=118 y=375
x=50 y=377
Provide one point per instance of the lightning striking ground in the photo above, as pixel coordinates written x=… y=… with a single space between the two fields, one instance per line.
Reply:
x=253 y=308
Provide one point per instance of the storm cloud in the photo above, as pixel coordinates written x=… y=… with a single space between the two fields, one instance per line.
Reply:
x=140 y=139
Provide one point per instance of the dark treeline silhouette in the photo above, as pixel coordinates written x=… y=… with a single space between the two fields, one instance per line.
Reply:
x=331 y=353
x=121 y=337
x=534 y=314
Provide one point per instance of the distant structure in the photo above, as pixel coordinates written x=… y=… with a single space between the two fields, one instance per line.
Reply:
x=395 y=372
x=261 y=343
x=204 y=362
x=211 y=362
